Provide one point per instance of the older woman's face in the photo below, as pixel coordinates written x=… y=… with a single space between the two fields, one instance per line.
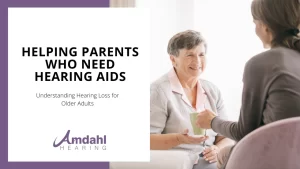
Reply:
x=190 y=63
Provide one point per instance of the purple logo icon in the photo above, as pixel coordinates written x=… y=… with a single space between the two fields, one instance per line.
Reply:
x=80 y=140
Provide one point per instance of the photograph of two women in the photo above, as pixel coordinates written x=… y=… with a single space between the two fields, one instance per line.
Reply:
x=201 y=116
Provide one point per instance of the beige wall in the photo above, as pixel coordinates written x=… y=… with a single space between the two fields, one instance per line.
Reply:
x=122 y=3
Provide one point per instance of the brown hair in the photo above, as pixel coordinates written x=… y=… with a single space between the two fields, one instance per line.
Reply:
x=185 y=40
x=282 y=17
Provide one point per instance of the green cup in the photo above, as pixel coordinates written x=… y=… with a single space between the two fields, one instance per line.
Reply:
x=197 y=130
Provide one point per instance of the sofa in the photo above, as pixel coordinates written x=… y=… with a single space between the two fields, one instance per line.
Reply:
x=273 y=146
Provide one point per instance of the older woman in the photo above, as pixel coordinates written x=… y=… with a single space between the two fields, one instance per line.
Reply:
x=272 y=78
x=178 y=94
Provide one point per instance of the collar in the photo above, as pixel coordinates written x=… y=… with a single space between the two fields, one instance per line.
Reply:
x=177 y=88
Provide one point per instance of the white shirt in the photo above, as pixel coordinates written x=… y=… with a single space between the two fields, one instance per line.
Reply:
x=170 y=109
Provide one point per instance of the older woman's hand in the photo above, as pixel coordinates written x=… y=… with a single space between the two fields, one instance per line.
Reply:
x=204 y=119
x=211 y=154
x=184 y=138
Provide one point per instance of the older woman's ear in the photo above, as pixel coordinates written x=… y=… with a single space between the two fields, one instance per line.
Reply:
x=172 y=58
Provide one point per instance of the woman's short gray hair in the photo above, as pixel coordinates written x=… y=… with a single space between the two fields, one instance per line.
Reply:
x=185 y=40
